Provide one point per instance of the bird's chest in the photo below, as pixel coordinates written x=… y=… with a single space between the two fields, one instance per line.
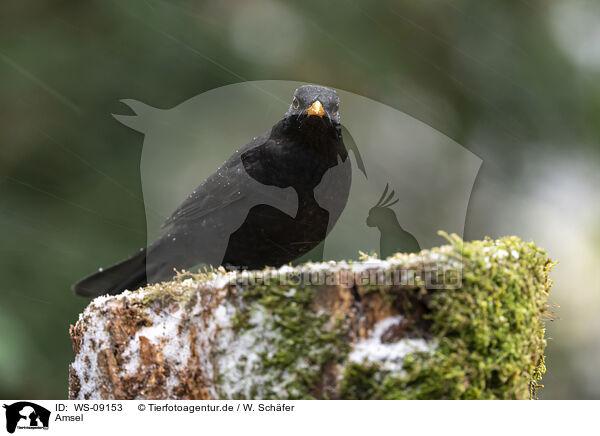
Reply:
x=302 y=166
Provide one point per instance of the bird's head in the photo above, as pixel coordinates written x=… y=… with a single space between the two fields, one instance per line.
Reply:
x=315 y=102
x=381 y=212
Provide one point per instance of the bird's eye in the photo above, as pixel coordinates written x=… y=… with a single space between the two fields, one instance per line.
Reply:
x=295 y=103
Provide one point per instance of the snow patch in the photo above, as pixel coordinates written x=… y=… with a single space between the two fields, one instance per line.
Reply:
x=93 y=339
x=240 y=356
x=389 y=355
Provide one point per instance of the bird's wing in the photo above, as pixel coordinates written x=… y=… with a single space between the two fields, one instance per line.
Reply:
x=225 y=186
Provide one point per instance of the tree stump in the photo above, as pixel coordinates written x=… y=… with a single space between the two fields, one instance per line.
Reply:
x=465 y=320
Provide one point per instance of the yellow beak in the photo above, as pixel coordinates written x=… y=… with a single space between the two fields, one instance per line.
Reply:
x=316 y=109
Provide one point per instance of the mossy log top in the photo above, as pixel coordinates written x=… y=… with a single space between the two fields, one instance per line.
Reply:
x=465 y=320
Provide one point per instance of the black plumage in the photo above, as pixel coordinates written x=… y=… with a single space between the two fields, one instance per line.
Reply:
x=271 y=202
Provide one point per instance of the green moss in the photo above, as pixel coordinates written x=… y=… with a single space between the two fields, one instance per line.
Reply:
x=302 y=343
x=181 y=291
x=164 y=294
x=489 y=332
x=361 y=382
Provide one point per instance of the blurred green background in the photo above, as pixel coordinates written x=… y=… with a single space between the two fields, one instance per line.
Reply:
x=514 y=81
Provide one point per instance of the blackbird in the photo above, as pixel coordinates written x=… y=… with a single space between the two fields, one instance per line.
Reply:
x=271 y=202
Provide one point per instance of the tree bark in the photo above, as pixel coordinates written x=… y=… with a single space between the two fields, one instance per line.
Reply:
x=465 y=320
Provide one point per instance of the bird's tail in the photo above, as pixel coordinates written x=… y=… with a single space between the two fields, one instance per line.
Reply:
x=127 y=274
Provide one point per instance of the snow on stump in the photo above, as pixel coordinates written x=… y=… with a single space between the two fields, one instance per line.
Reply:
x=465 y=320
